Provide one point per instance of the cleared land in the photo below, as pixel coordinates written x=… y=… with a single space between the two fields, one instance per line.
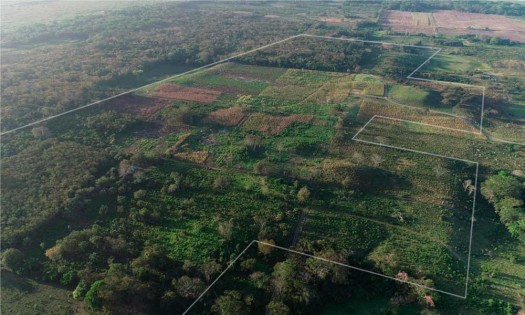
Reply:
x=177 y=92
x=450 y=22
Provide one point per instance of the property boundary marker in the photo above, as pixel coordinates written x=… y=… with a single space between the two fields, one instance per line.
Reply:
x=410 y=77
x=309 y=256
x=251 y=51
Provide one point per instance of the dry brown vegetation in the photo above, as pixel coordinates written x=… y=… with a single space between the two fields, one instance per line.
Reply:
x=273 y=125
x=136 y=105
x=451 y=22
x=332 y=92
x=227 y=116
x=178 y=92
x=195 y=156
x=370 y=108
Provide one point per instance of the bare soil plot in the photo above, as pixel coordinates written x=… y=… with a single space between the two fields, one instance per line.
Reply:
x=454 y=22
x=273 y=125
x=451 y=22
x=402 y=21
x=178 y=92
x=335 y=20
x=227 y=116
x=139 y=106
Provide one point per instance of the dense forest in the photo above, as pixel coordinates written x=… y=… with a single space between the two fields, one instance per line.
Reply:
x=92 y=57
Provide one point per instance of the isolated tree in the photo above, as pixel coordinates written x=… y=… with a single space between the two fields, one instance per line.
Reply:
x=221 y=182
x=499 y=186
x=41 y=132
x=289 y=285
x=92 y=298
x=226 y=229
x=283 y=274
x=260 y=280
x=13 y=259
x=358 y=157
x=266 y=249
x=376 y=160
x=188 y=287
x=253 y=142
x=139 y=194
x=467 y=183
x=303 y=194
x=277 y=308
x=440 y=171
x=230 y=303
x=209 y=268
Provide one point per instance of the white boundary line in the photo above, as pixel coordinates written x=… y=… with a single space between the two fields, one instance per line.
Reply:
x=425 y=124
x=353 y=138
x=245 y=53
x=315 y=257
x=472 y=219
x=424 y=63
x=217 y=279
x=148 y=85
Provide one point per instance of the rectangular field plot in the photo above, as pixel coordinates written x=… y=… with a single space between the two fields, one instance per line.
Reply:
x=397 y=212
x=341 y=55
x=423 y=137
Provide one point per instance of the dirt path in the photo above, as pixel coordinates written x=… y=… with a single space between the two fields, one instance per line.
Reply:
x=299 y=228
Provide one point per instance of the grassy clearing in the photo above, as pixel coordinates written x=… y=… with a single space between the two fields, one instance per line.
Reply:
x=24 y=296
x=289 y=92
x=443 y=62
x=307 y=77
x=369 y=108
x=209 y=79
x=449 y=143
x=414 y=96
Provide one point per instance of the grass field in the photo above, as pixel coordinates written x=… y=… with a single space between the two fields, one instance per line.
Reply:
x=23 y=296
x=414 y=96
x=455 y=64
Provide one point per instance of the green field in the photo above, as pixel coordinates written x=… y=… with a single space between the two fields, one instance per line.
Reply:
x=414 y=96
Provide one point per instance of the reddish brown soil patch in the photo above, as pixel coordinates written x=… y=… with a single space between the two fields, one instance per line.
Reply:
x=450 y=22
x=140 y=106
x=335 y=20
x=178 y=92
x=227 y=116
x=273 y=124
x=402 y=21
